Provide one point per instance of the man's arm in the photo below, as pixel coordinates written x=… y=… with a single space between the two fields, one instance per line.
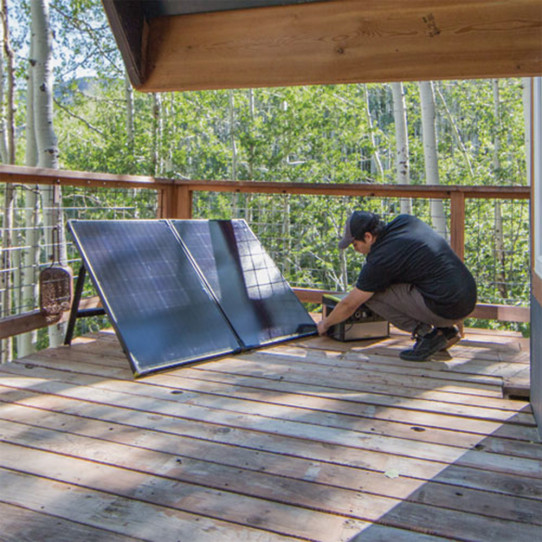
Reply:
x=344 y=309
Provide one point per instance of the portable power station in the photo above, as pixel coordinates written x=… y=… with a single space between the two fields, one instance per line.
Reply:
x=363 y=324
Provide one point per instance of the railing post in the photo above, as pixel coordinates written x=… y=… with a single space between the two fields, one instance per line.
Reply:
x=457 y=223
x=176 y=202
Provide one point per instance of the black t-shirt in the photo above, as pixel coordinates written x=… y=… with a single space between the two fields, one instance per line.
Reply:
x=409 y=251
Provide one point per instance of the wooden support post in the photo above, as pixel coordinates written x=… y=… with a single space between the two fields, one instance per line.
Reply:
x=176 y=202
x=457 y=223
x=183 y=208
x=457 y=230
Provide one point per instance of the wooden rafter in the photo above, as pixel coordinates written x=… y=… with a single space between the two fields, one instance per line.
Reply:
x=341 y=41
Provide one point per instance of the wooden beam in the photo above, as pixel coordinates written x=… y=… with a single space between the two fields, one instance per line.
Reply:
x=504 y=313
x=311 y=295
x=32 y=175
x=518 y=386
x=23 y=323
x=361 y=189
x=345 y=41
x=130 y=30
x=30 y=321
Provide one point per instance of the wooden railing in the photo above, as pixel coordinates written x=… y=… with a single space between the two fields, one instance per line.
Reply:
x=175 y=201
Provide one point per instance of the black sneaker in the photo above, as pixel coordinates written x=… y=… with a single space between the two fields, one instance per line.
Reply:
x=452 y=336
x=425 y=346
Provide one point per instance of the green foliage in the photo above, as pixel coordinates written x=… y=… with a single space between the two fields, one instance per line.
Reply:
x=320 y=134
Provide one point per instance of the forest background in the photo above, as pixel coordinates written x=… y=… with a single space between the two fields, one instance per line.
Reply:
x=446 y=132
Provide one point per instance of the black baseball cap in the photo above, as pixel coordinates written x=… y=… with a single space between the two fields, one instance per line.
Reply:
x=356 y=226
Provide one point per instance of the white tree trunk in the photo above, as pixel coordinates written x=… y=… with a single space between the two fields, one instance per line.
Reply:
x=4 y=154
x=249 y=197
x=401 y=142
x=527 y=106
x=45 y=138
x=457 y=134
x=158 y=129
x=235 y=196
x=286 y=235
x=376 y=157
x=500 y=254
x=232 y=137
x=8 y=279
x=10 y=77
x=430 y=152
x=27 y=342
x=43 y=85
x=129 y=95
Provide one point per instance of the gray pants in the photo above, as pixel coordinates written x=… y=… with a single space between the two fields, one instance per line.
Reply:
x=405 y=308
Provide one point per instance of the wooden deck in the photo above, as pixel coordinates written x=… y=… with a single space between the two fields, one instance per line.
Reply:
x=309 y=440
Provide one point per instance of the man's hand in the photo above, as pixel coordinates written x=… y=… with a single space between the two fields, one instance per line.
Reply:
x=322 y=327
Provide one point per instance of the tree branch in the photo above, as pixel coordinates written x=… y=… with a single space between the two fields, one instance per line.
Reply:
x=81 y=119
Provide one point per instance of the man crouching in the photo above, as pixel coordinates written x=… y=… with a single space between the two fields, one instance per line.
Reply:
x=411 y=277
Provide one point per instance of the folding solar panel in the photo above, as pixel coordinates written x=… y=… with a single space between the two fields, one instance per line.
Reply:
x=161 y=309
x=247 y=284
x=187 y=290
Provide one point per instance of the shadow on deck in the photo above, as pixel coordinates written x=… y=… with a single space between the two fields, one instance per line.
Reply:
x=308 y=440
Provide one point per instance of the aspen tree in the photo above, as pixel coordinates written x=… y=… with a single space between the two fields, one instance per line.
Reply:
x=500 y=254
x=27 y=342
x=376 y=157
x=8 y=155
x=401 y=141
x=47 y=147
x=430 y=152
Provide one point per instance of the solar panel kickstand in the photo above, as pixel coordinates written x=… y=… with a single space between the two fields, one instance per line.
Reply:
x=75 y=312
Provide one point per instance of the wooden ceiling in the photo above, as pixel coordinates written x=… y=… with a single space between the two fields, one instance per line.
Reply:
x=167 y=45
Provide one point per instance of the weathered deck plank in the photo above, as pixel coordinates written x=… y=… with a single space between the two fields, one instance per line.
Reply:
x=339 y=408
x=309 y=440
x=314 y=425
x=26 y=525
x=217 y=443
x=110 y=511
x=217 y=474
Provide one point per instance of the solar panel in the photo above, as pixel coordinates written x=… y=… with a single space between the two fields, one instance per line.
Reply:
x=161 y=309
x=247 y=284
x=187 y=290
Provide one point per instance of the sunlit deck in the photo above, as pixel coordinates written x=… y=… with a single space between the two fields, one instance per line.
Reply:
x=310 y=440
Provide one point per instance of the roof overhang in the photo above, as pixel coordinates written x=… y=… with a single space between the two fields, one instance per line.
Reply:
x=167 y=45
